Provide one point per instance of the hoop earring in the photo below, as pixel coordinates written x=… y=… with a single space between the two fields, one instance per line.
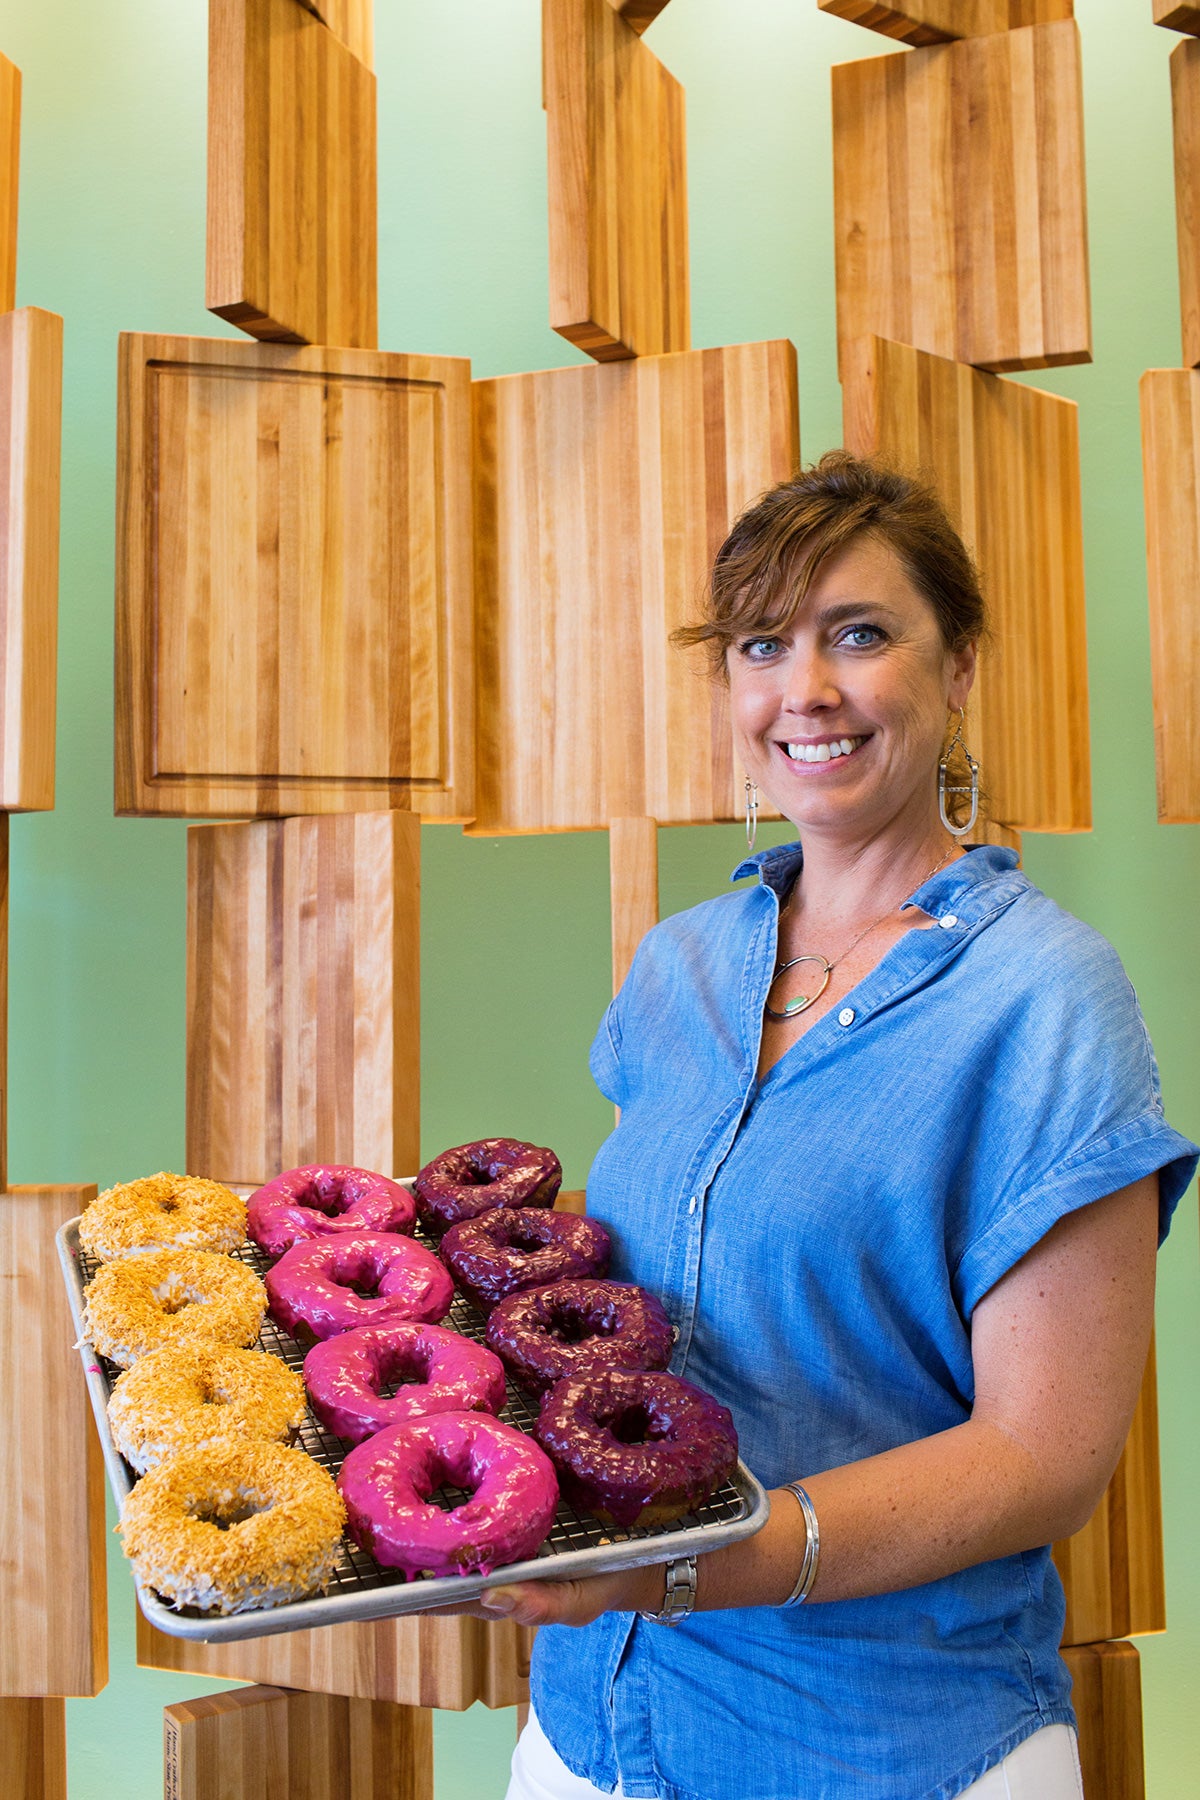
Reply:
x=947 y=787
x=751 y=812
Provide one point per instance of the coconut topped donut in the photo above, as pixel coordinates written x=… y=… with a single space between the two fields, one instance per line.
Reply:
x=142 y=1303
x=188 y=1396
x=324 y=1199
x=474 y=1178
x=161 y=1212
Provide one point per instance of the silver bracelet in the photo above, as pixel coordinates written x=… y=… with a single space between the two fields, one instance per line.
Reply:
x=681 y=1593
x=812 y=1547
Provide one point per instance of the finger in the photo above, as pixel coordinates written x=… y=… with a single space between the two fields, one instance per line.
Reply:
x=540 y=1603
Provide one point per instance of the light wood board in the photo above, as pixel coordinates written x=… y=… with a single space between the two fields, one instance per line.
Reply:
x=292 y=226
x=1185 y=106
x=1171 y=472
x=939 y=21
x=1112 y=1570
x=351 y=21
x=960 y=208
x=633 y=881
x=303 y=995
x=30 y=444
x=52 y=1573
x=294 y=610
x=1107 y=1696
x=33 y=1749
x=602 y=494
x=1005 y=459
x=617 y=186
x=265 y=1743
x=1177 y=17
x=10 y=168
x=638 y=13
x=3 y=1001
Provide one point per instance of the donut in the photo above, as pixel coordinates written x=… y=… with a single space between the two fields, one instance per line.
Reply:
x=189 y=1396
x=634 y=1447
x=233 y=1526
x=323 y=1200
x=517 y=1247
x=145 y=1302
x=445 y=1372
x=574 y=1327
x=158 y=1212
x=474 y=1178
x=335 y=1284
x=386 y=1484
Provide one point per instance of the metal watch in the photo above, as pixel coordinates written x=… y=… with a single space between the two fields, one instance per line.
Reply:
x=681 y=1593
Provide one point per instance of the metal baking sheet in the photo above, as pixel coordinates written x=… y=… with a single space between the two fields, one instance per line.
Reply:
x=577 y=1545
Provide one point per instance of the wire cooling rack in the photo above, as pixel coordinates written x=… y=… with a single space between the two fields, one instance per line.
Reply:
x=360 y=1589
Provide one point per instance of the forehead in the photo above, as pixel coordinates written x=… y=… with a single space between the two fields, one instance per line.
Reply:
x=864 y=574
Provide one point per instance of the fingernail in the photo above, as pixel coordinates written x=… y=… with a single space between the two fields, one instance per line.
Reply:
x=497 y=1600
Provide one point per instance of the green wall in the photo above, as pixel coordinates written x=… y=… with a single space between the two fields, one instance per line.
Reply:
x=112 y=236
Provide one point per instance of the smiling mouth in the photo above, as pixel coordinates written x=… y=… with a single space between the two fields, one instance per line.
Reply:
x=832 y=750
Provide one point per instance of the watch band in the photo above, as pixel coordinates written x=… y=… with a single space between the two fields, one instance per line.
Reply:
x=680 y=1598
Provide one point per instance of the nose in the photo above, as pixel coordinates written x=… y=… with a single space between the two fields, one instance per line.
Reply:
x=810 y=686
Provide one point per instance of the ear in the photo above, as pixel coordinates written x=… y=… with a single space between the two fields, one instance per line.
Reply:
x=960 y=667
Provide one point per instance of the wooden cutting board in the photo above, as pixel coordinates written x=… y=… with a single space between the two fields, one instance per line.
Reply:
x=1107 y=1696
x=292 y=211
x=1005 y=459
x=1185 y=107
x=33 y=1749
x=938 y=21
x=303 y=995
x=1177 y=17
x=960 y=210
x=1171 y=472
x=294 y=612
x=617 y=185
x=633 y=874
x=10 y=160
x=30 y=445
x=352 y=22
x=602 y=494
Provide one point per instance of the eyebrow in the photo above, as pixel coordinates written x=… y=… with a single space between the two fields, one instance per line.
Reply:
x=852 y=609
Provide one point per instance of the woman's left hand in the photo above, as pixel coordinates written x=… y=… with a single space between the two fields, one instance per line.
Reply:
x=570 y=1602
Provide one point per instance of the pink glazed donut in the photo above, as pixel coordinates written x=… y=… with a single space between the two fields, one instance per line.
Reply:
x=386 y=1484
x=322 y=1200
x=473 y=1178
x=334 y=1284
x=444 y=1372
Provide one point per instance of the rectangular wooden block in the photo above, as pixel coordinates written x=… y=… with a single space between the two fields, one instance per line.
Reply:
x=30 y=443
x=294 y=611
x=1171 y=473
x=303 y=995
x=602 y=494
x=52 y=1573
x=3 y=1001
x=264 y=1743
x=10 y=165
x=1185 y=107
x=1107 y=1696
x=938 y=21
x=959 y=200
x=618 y=186
x=292 y=225
x=352 y=22
x=1005 y=459
x=33 y=1749
x=633 y=875
x=1177 y=17
x=1112 y=1570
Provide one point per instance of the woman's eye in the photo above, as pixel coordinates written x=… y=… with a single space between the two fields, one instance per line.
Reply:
x=862 y=637
x=759 y=649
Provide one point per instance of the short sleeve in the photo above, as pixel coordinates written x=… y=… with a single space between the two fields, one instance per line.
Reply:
x=605 y=1058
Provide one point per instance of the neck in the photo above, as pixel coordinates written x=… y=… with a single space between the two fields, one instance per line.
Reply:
x=848 y=877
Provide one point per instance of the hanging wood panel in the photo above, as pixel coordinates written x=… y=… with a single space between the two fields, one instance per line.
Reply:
x=638 y=13
x=3 y=1001
x=939 y=21
x=617 y=186
x=1107 y=1696
x=602 y=495
x=1005 y=459
x=1177 y=17
x=56 y=1547
x=292 y=228
x=10 y=164
x=33 y=1749
x=294 y=611
x=265 y=1743
x=959 y=200
x=1185 y=106
x=303 y=995
x=30 y=444
x=633 y=879
x=1170 y=400
x=352 y=21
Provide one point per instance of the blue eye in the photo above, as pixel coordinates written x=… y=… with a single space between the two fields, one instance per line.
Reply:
x=758 y=649
x=862 y=637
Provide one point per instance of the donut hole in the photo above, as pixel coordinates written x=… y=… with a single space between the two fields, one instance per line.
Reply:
x=172 y=1299
x=473 y=1177
x=225 y=1514
x=168 y=1205
x=401 y=1368
x=329 y=1202
x=358 y=1277
x=569 y=1326
x=526 y=1240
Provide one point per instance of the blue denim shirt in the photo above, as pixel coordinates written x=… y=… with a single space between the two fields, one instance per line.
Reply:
x=820 y=1239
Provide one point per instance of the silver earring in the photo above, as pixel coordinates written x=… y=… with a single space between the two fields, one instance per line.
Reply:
x=947 y=787
x=751 y=812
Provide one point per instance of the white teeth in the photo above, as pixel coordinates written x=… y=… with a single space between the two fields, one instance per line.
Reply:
x=847 y=745
x=812 y=753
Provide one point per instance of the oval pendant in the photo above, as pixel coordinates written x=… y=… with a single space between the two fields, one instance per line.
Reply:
x=802 y=1002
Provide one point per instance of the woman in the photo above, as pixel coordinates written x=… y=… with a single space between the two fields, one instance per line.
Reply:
x=892 y=1152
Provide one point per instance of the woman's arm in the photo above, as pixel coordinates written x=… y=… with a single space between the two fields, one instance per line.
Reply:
x=1058 y=1346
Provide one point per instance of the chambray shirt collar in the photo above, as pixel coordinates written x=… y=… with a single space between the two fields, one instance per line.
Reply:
x=971 y=887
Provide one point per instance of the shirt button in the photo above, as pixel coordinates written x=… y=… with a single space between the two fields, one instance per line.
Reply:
x=948 y=921
x=693 y=1203
x=846 y=1016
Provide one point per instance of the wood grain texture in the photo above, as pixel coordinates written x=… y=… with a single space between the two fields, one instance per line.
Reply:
x=10 y=168
x=1185 y=107
x=638 y=13
x=1112 y=1570
x=33 y=1749
x=265 y=1743
x=1005 y=458
x=31 y=343
x=602 y=495
x=415 y=1661
x=633 y=879
x=939 y=21
x=1177 y=17
x=1107 y=1695
x=1170 y=400
x=617 y=186
x=3 y=1001
x=294 y=609
x=52 y=1573
x=351 y=21
x=959 y=200
x=303 y=995
x=292 y=228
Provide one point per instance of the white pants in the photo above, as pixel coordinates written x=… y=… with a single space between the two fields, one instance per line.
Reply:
x=1044 y=1767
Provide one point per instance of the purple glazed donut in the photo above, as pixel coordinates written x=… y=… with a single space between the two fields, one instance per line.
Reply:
x=443 y=1371
x=386 y=1484
x=323 y=1200
x=635 y=1448
x=474 y=1178
x=517 y=1247
x=334 y=1284
x=575 y=1327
